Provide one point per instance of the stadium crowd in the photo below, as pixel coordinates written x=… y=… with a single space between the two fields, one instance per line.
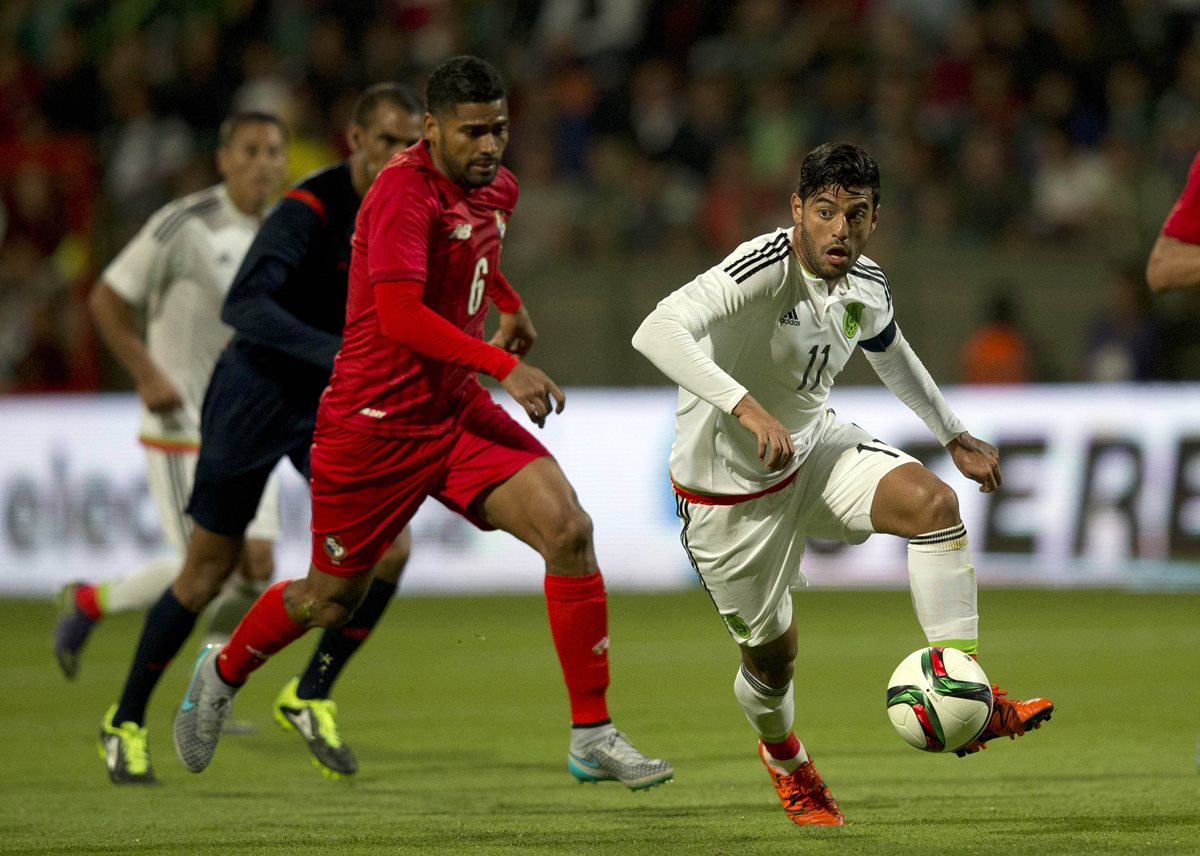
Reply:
x=648 y=127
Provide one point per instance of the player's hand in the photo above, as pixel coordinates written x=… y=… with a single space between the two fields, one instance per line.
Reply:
x=159 y=394
x=977 y=460
x=535 y=392
x=775 y=447
x=516 y=333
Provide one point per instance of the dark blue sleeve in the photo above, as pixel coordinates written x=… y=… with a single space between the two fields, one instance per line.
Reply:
x=252 y=306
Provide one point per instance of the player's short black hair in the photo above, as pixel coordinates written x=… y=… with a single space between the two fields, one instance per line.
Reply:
x=843 y=165
x=462 y=80
x=396 y=94
x=236 y=120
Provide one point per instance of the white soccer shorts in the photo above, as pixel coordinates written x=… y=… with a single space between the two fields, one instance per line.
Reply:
x=748 y=554
x=170 y=476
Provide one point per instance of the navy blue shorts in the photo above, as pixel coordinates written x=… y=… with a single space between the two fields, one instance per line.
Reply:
x=257 y=410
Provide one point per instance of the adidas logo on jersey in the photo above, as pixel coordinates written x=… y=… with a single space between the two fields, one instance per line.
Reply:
x=791 y=318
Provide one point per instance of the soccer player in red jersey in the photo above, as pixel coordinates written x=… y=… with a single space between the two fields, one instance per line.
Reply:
x=405 y=418
x=1175 y=257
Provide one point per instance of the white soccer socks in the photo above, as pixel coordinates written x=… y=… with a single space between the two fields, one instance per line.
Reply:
x=942 y=581
x=771 y=712
x=142 y=589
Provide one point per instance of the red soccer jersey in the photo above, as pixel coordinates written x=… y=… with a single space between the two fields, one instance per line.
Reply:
x=416 y=225
x=1183 y=223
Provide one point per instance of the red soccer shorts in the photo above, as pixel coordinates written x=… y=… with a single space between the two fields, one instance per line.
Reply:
x=366 y=488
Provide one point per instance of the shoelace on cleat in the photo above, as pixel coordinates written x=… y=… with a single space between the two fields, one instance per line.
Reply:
x=325 y=710
x=136 y=746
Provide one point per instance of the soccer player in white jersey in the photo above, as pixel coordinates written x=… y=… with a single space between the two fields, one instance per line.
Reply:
x=759 y=462
x=173 y=276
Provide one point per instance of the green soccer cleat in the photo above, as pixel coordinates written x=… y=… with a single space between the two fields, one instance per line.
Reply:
x=126 y=751
x=314 y=720
x=612 y=758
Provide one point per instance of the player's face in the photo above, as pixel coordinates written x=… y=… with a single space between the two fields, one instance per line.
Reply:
x=253 y=164
x=389 y=130
x=832 y=227
x=467 y=143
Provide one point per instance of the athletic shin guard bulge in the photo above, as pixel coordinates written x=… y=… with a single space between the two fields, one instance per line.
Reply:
x=942 y=581
x=770 y=710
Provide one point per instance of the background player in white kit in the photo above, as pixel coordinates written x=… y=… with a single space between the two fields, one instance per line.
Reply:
x=174 y=276
x=759 y=463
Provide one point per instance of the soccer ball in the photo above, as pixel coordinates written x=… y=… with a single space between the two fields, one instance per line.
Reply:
x=938 y=699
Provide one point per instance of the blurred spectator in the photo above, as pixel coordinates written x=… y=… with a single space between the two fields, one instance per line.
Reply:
x=1069 y=186
x=649 y=125
x=999 y=352
x=1123 y=339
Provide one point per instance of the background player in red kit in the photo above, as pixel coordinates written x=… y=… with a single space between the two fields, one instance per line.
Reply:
x=404 y=418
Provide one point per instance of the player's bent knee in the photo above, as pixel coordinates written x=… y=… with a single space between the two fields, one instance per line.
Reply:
x=570 y=534
x=939 y=508
x=197 y=587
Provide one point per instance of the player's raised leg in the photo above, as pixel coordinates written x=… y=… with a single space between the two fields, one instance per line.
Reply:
x=912 y=502
x=538 y=506
x=282 y=615
x=304 y=705
x=83 y=605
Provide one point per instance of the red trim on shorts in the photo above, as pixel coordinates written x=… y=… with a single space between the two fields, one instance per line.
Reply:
x=309 y=199
x=174 y=446
x=730 y=499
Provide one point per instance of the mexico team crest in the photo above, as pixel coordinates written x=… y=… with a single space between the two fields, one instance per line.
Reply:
x=501 y=223
x=851 y=319
x=738 y=625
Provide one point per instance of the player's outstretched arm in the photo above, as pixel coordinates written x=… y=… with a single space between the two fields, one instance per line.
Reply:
x=534 y=391
x=1173 y=264
x=115 y=320
x=977 y=460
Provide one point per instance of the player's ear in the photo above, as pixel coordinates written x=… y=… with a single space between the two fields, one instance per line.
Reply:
x=223 y=161
x=354 y=137
x=874 y=218
x=433 y=131
x=797 y=209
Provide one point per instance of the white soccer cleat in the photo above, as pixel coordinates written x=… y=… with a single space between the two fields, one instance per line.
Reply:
x=205 y=707
x=611 y=757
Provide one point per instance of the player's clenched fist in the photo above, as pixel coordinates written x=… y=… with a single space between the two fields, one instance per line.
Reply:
x=534 y=391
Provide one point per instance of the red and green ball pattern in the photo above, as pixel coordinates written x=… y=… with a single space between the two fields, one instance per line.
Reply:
x=939 y=683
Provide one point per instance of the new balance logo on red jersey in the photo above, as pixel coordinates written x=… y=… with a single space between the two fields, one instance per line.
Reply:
x=372 y=413
x=461 y=232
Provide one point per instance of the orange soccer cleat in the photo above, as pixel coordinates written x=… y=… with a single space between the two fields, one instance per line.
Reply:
x=805 y=798
x=1009 y=719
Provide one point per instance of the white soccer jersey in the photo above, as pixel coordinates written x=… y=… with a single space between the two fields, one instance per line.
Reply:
x=177 y=270
x=759 y=323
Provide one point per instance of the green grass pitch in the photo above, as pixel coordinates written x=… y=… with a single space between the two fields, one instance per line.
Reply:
x=458 y=716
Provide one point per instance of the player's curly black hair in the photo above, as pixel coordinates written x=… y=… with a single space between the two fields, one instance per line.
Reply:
x=462 y=80
x=843 y=165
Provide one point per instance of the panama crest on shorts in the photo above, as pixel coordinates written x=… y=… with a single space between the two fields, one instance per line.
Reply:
x=334 y=549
